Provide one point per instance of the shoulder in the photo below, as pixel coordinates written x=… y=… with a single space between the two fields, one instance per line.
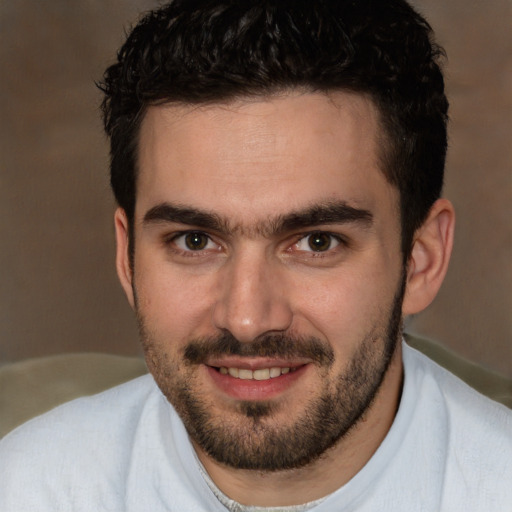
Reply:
x=473 y=431
x=485 y=381
x=103 y=414
x=461 y=403
x=90 y=434
x=89 y=411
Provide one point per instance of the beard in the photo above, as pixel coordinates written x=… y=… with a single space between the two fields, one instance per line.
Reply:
x=254 y=439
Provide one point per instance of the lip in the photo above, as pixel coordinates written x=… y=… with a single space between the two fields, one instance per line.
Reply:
x=255 y=390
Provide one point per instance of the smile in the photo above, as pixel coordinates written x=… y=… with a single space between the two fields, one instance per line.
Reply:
x=261 y=382
x=260 y=374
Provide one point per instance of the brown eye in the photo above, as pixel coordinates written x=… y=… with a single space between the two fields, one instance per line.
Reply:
x=196 y=241
x=319 y=242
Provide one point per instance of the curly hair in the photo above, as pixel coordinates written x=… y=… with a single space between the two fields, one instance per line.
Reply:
x=208 y=51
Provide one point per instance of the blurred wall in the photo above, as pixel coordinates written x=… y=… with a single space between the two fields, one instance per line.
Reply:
x=58 y=289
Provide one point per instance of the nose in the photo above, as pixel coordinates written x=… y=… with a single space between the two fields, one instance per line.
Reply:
x=253 y=299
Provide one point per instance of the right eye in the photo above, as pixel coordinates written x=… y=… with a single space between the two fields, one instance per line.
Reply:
x=194 y=241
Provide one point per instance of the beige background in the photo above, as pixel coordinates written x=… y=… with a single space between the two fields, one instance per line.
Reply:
x=58 y=289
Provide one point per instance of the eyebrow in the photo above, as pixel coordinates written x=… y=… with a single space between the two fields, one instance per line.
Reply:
x=329 y=212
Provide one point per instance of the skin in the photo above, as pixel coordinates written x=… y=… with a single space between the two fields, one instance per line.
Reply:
x=252 y=163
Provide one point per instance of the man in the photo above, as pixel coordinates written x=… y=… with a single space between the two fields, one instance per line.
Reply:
x=278 y=167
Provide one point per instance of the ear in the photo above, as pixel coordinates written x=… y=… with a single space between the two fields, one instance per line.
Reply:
x=430 y=255
x=123 y=266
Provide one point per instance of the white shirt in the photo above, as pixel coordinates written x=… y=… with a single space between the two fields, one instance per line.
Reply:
x=449 y=449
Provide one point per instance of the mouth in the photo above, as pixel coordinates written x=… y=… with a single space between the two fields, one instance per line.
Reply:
x=261 y=382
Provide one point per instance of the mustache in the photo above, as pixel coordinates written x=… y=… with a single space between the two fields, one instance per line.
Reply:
x=271 y=345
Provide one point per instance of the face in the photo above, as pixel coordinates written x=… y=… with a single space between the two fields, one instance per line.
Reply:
x=267 y=276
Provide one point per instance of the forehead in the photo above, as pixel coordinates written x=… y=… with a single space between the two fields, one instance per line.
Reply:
x=262 y=155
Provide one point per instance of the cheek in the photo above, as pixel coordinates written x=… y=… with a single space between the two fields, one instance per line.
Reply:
x=344 y=305
x=173 y=303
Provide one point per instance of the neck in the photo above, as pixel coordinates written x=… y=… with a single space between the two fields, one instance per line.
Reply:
x=326 y=474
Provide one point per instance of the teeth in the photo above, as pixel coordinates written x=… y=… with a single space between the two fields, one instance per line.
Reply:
x=233 y=372
x=244 y=374
x=261 y=374
x=275 y=372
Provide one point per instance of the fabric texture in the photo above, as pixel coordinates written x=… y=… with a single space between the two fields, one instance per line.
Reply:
x=449 y=449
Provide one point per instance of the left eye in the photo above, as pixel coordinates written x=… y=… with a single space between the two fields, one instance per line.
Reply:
x=317 y=242
x=193 y=241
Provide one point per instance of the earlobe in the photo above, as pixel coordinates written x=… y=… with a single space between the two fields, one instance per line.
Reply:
x=123 y=264
x=430 y=255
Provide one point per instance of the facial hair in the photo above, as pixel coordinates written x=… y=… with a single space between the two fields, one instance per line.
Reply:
x=253 y=440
